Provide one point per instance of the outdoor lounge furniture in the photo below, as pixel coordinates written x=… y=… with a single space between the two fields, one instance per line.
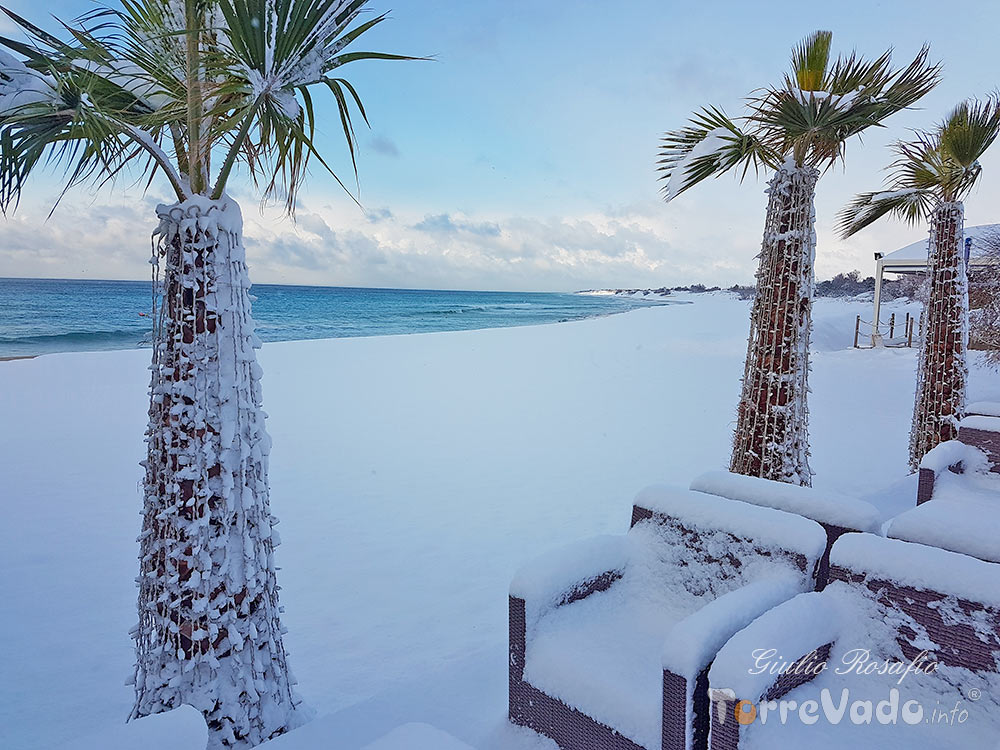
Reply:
x=963 y=516
x=838 y=514
x=907 y=604
x=611 y=638
x=958 y=495
x=977 y=448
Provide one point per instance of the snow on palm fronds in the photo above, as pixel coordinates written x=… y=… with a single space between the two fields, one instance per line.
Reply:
x=935 y=167
x=928 y=181
x=797 y=129
x=187 y=83
x=818 y=106
x=272 y=53
x=21 y=87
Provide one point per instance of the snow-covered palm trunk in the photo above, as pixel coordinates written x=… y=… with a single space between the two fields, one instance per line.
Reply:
x=943 y=369
x=772 y=432
x=209 y=632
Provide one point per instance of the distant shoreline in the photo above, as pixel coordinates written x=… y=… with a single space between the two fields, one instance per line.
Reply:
x=661 y=292
x=46 y=317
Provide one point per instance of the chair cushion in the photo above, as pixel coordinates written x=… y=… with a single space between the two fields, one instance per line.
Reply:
x=601 y=655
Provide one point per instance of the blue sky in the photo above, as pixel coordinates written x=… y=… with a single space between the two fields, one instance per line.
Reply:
x=522 y=156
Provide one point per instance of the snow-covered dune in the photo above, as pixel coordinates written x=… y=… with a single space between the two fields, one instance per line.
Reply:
x=412 y=474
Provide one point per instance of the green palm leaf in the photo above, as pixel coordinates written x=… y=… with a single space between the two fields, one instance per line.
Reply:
x=187 y=83
x=932 y=168
x=820 y=104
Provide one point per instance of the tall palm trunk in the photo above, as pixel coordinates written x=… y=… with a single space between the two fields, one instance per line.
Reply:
x=942 y=370
x=209 y=633
x=772 y=432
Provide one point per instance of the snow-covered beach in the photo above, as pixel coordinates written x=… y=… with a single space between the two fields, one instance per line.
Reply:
x=412 y=475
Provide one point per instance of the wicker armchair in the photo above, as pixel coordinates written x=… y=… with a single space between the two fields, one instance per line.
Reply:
x=976 y=449
x=908 y=604
x=838 y=514
x=611 y=639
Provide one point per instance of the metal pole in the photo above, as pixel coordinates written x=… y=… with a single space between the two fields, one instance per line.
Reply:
x=876 y=335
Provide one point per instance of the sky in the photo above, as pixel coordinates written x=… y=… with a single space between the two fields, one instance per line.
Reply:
x=522 y=157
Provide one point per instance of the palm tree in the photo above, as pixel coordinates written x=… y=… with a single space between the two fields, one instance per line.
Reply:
x=189 y=89
x=929 y=179
x=797 y=129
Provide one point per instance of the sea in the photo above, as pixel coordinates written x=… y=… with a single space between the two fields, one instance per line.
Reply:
x=45 y=316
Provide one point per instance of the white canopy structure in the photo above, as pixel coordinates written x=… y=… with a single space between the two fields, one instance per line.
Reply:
x=913 y=259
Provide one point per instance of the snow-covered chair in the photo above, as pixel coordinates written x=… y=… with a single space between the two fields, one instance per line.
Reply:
x=890 y=606
x=611 y=638
x=964 y=514
x=838 y=514
x=981 y=429
x=977 y=449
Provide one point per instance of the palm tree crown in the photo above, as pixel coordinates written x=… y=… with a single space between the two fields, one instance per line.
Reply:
x=807 y=118
x=179 y=82
x=937 y=167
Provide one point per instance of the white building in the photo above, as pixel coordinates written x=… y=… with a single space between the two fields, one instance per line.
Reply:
x=913 y=259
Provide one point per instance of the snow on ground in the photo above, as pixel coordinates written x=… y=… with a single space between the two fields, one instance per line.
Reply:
x=413 y=475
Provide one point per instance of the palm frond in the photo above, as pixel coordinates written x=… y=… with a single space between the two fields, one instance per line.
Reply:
x=711 y=144
x=856 y=74
x=970 y=129
x=809 y=117
x=93 y=116
x=270 y=67
x=907 y=87
x=810 y=59
x=178 y=82
x=909 y=204
x=932 y=168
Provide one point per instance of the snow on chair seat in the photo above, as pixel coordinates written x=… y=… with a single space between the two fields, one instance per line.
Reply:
x=836 y=513
x=908 y=631
x=952 y=456
x=592 y=625
x=963 y=517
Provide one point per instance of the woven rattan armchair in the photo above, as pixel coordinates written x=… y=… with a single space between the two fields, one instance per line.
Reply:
x=611 y=639
x=905 y=604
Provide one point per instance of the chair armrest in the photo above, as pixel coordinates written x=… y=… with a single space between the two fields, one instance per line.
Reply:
x=953 y=455
x=692 y=643
x=800 y=631
x=570 y=573
x=559 y=577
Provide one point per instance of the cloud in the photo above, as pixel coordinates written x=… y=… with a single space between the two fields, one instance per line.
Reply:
x=383 y=144
x=375 y=215
x=334 y=243
x=444 y=223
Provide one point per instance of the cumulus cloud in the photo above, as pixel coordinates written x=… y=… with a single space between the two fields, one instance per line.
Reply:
x=639 y=245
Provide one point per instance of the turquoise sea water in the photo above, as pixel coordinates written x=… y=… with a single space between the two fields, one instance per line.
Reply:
x=43 y=316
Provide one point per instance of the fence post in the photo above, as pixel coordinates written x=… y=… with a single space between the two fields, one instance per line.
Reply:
x=909 y=336
x=857 y=329
x=892 y=325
